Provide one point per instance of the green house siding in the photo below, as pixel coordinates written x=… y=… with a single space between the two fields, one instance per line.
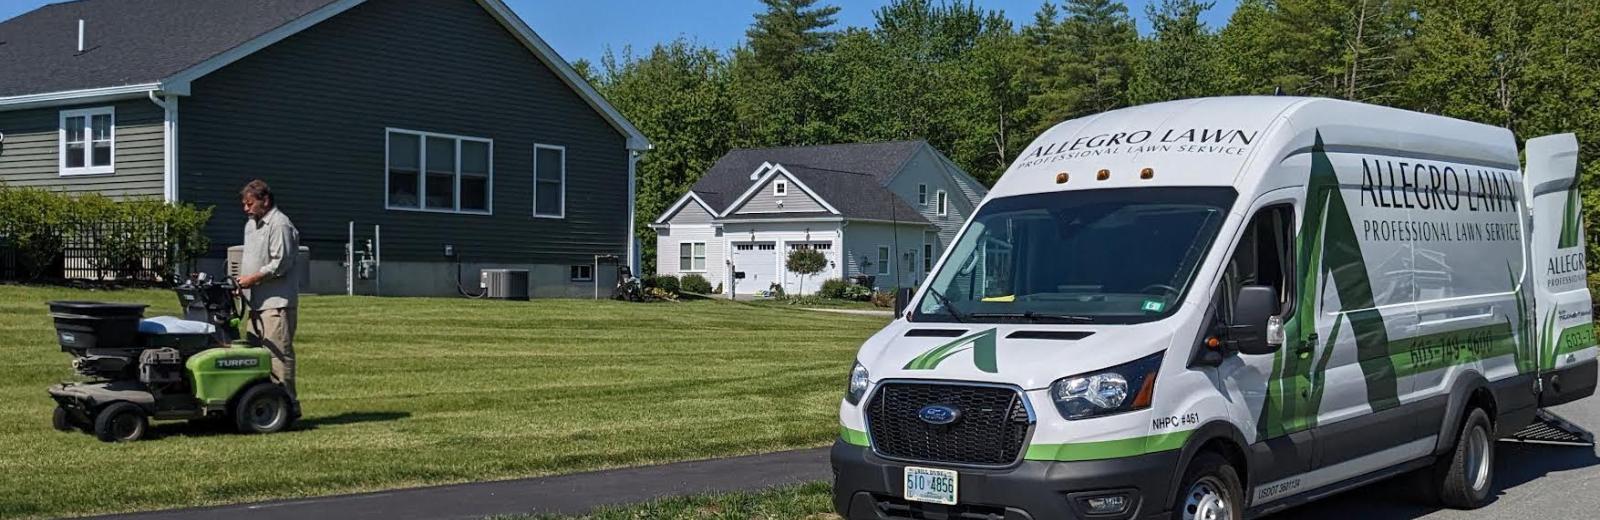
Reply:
x=30 y=154
x=308 y=115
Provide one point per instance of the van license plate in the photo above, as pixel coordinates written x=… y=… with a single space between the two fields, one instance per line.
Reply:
x=931 y=485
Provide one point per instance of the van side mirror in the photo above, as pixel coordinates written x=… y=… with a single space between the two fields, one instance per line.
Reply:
x=1251 y=331
x=902 y=299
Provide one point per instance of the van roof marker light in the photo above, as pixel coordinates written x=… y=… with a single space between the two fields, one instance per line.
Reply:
x=1103 y=175
x=1147 y=173
x=1061 y=178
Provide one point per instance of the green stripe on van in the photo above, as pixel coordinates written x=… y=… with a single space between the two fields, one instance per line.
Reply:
x=849 y=436
x=1076 y=451
x=1573 y=339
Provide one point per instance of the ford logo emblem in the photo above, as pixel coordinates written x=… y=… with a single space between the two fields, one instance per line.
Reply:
x=938 y=414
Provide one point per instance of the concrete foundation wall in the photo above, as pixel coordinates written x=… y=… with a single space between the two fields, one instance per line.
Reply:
x=439 y=279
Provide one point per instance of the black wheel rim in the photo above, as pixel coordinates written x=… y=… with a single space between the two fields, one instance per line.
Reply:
x=125 y=426
x=267 y=413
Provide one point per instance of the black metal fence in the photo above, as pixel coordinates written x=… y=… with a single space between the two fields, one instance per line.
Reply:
x=117 y=251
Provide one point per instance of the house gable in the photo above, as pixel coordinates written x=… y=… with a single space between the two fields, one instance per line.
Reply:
x=690 y=209
x=764 y=197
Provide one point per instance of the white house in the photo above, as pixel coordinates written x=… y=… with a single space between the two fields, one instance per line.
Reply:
x=883 y=211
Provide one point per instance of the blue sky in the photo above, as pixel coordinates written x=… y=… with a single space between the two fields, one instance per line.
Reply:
x=585 y=28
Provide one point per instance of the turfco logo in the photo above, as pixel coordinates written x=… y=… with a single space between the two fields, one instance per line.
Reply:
x=238 y=363
x=981 y=345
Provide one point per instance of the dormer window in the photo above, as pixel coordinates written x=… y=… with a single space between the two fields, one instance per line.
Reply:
x=780 y=188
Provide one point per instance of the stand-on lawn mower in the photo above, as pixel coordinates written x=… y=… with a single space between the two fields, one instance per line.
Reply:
x=164 y=367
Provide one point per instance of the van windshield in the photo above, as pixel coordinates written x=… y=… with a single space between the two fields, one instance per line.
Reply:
x=1122 y=255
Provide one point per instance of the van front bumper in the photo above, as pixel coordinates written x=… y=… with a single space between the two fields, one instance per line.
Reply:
x=869 y=487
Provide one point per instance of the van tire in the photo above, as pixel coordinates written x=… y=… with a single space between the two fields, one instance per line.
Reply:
x=1464 y=477
x=1210 y=485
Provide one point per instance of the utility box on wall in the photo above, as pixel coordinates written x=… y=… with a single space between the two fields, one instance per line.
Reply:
x=302 y=271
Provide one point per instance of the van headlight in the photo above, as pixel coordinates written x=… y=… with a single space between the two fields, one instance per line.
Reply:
x=858 y=384
x=1123 y=388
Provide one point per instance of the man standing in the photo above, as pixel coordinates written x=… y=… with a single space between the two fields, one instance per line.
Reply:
x=267 y=275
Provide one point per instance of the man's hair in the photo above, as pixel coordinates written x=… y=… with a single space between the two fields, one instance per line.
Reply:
x=258 y=188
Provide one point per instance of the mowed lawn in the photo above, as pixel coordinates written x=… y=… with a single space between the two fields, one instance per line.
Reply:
x=403 y=392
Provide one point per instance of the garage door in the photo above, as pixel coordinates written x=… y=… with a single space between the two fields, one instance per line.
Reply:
x=759 y=263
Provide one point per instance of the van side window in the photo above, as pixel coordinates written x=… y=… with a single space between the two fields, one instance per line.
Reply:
x=1263 y=257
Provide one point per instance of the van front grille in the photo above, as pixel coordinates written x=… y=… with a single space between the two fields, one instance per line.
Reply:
x=990 y=429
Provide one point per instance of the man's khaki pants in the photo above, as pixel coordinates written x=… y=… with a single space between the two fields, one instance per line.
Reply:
x=273 y=329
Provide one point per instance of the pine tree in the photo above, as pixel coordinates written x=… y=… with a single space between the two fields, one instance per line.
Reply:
x=788 y=30
x=1176 y=62
x=1103 y=40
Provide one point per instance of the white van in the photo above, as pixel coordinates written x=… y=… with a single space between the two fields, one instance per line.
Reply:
x=1219 y=308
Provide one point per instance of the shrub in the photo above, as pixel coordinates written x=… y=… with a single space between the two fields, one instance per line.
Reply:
x=718 y=290
x=667 y=283
x=694 y=283
x=39 y=224
x=883 y=299
x=833 y=288
x=859 y=293
x=775 y=289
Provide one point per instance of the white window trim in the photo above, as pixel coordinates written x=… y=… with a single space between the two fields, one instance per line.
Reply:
x=780 y=187
x=422 y=173
x=922 y=194
x=563 y=209
x=944 y=203
x=703 y=257
x=589 y=278
x=88 y=142
x=884 y=256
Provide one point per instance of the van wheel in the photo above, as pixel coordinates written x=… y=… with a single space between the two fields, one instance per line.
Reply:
x=264 y=408
x=1210 y=491
x=60 y=420
x=120 y=422
x=1463 y=478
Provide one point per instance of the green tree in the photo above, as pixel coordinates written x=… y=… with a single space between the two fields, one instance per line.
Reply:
x=678 y=96
x=1103 y=40
x=1244 y=63
x=1176 y=62
x=805 y=262
x=787 y=31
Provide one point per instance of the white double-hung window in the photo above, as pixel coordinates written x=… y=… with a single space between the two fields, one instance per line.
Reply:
x=439 y=172
x=87 y=140
x=691 y=257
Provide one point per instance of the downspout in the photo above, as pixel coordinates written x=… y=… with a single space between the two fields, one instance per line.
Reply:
x=169 y=146
x=632 y=236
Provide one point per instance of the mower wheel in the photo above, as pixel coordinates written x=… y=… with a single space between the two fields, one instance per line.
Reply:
x=120 y=422
x=264 y=408
x=61 y=420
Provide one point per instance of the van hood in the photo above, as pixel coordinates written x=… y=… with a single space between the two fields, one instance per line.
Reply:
x=1031 y=356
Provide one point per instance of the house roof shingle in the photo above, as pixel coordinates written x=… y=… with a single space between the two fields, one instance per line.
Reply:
x=129 y=42
x=850 y=177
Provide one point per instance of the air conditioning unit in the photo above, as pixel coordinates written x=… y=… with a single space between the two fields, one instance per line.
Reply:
x=302 y=263
x=504 y=284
